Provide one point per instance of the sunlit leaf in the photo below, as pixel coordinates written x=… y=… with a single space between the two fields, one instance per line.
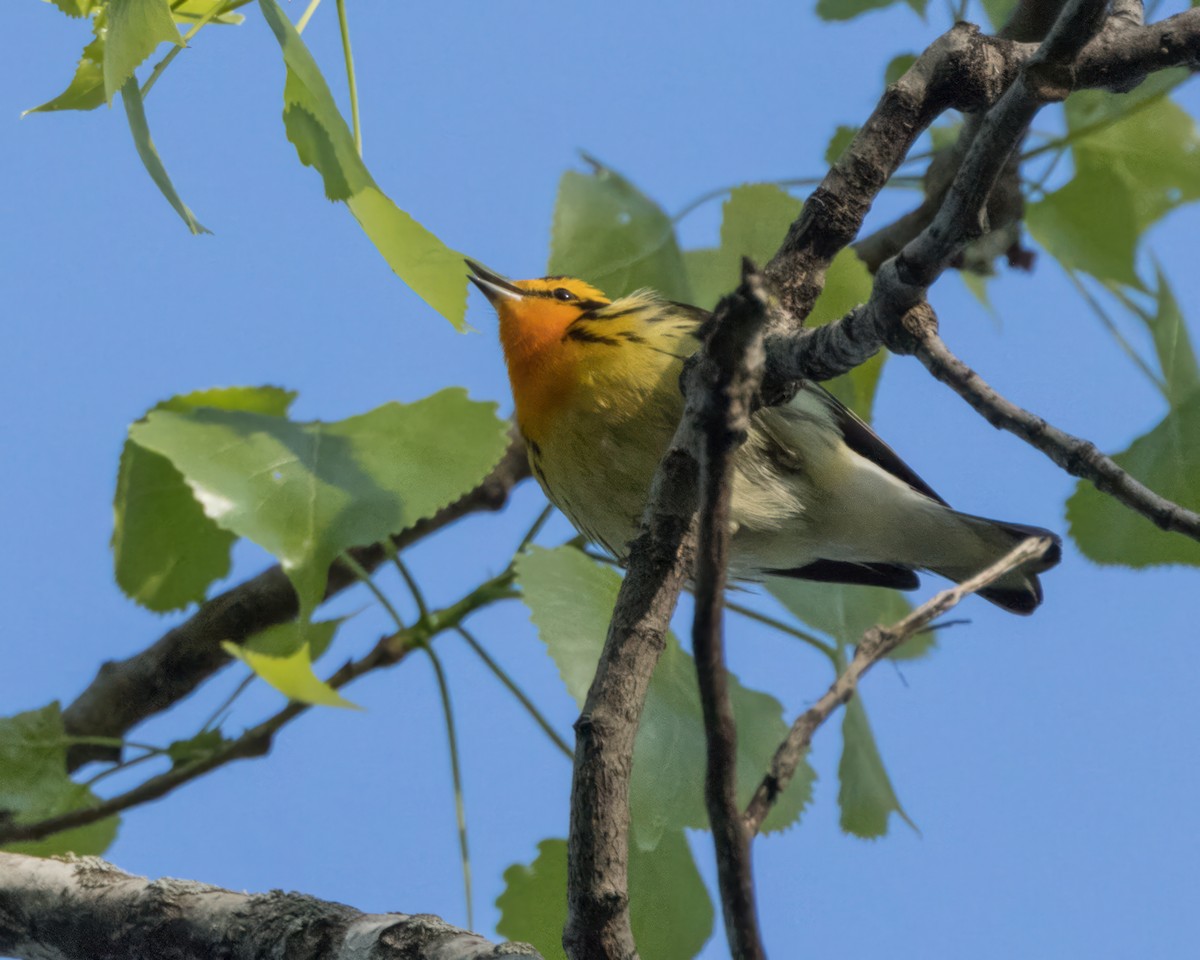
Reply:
x=136 y=112
x=34 y=784
x=1167 y=460
x=307 y=491
x=86 y=89
x=866 y=795
x=166 y=552
x=998 y=11
x=135 y=29
x=283 y=656
x=323 y=141
x=669 y=908
x=571 y=598
x=611 y=234
x=189 y=11
x=76 y=8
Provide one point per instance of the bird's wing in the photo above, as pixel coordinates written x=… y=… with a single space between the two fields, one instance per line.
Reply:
x=864 y=441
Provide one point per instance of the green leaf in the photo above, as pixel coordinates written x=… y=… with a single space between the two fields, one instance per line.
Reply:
x=189 y=11
x=166 y=552
x=76 y=8
x=571 y=598
x=307 y=491
x=199 y=747
x=1167 y=460
x=34 y=784
x=1176 y=357
x=846 y=611
x=866 y=795
x=86 y=89
x=284 y=639
x=323 y=141
x=849 y=9
x=755 y=219
x=291 y=674
x=1141 y=153
x=669 y=908
x=998 y=11
x=135 y=29
x=838 y=143
x=897 y=67
x=136 y=113
x=609 y=233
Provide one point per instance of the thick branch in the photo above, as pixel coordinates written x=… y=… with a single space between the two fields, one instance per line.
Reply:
x=126 y=692
x=876 y=644
x=87 y=909
x=736 y=349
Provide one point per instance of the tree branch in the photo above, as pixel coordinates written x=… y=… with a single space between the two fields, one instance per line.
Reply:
x=87 y=909
x=660 y=560
x=126 y=692
x=875 y=644
x=736 y=349
x=1077 y=456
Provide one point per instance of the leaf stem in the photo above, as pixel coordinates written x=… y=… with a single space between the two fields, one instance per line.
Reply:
x=814 y=642
x=536 y=528
x=409 y=580
x=516 y=691
x=350 y=79
x=214 y=11
x=460 y=810
x=307 y=15
x=360 y=571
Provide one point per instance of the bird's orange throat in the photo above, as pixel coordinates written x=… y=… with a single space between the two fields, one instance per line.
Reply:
x=541 y=364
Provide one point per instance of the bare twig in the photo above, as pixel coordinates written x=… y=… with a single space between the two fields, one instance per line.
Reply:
x=126 y=692
x=875 y=644
x=1077 y=456
x=736 y=349
x=81 y=908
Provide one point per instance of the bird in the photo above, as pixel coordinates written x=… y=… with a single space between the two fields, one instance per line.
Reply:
x=816 y=494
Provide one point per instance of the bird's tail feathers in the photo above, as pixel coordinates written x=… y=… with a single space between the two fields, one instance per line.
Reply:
x=1019 y=591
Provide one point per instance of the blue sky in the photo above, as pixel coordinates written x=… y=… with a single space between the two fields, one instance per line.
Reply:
x=1049 y=762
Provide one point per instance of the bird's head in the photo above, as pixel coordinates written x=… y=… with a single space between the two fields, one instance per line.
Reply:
x=535 y=313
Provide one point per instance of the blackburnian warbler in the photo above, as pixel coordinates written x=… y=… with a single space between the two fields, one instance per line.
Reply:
x=816 y=494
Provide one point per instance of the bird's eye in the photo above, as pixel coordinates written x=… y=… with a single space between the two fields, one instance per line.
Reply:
x=562 y=293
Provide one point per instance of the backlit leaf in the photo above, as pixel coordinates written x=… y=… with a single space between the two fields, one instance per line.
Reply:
x=571 y=598
x=897 y=67
x=1167 y=460
x=849 y=9
x=86 y=89
x=165 y=550
x=34 y=784
x=135 y=29
x=307 y=491
x=291 y=674
x=323 y=141
x=1176 y=356
x=609 y=233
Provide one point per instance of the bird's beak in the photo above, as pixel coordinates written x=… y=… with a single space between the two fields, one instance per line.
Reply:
x=495 y=287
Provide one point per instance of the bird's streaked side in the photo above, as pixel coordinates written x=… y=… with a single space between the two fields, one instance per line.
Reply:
x=816 y=494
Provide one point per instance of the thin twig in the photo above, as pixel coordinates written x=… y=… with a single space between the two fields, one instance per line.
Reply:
x=522 y=698
x=307 y=15
x=735 y=346
x=214 y=11
x=875 y=644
